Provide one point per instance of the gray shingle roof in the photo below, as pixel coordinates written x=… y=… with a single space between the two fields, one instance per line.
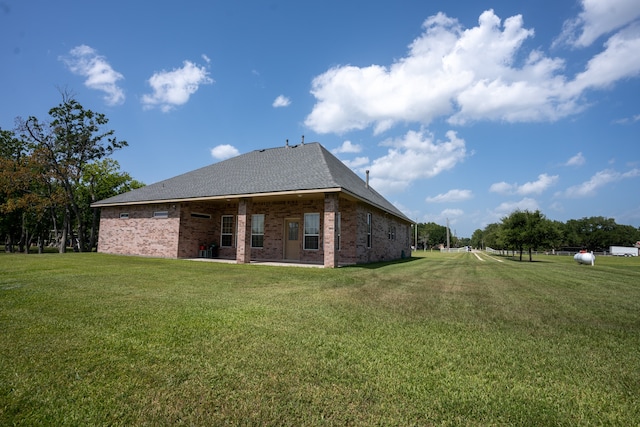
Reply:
x=284 y=169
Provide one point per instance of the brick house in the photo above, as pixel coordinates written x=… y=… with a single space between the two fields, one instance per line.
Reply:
x=294 y=203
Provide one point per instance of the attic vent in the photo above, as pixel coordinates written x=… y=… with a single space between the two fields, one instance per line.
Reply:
x=367 y=182
x=200 y=215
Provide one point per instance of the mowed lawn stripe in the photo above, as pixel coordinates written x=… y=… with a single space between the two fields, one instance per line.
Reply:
x=439 y=339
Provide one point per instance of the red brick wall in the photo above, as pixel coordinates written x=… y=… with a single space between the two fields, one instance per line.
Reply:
x=196 y=231
x=140 y=233
x=383 y=246
x=181 y=235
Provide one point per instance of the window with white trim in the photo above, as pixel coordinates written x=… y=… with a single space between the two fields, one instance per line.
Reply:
x=257 y=231
x=226 y=231
x=311 y=230
x=161 y=214
x=369 y=230
x=124 y=215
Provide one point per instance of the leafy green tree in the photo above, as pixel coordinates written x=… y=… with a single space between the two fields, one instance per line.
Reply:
x=592 y=233
x=477 y=239
x=28 y=197
x=514 y=229
x=529 y=230
x=492 y=236
x=69 y=143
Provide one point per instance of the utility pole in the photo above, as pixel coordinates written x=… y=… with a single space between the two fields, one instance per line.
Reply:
x=448 y=247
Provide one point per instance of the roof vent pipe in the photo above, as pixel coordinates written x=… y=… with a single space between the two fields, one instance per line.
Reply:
x=286 y=142
x=302 y=139
x=367 y=181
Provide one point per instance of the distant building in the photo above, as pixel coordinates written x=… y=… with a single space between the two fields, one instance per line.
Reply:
x=294 y=203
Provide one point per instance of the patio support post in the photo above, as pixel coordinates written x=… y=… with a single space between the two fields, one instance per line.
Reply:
x=330 y=230
x=243 y=251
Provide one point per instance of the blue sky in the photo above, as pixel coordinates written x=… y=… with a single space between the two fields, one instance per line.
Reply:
x=464 y=110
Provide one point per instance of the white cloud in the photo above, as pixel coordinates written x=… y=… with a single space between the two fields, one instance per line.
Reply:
x=506 y=208
x=281 y=101
x=449 y=213
x=85 y=61
x=451 y=196
x=619 y=60
x=224 y=151
x=414 y=156
x=501 y=188
x=480 y=73
x=626 y=120
x=598 y=18
x=597 y=181
x=206 y=58
x=452 y=215
x=173 y=88
x=533 y=187
x=356 y=163
x=347 y=147
x=577 y=160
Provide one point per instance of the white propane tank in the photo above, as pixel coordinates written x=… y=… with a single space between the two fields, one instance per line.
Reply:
x=585 y=258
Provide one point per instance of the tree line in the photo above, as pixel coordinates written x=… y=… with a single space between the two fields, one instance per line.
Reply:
x=531 y=231
x=50 y=173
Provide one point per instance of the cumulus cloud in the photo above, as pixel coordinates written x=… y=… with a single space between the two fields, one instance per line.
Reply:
x=356 y=163
x=619 y=60
x=347 y=147
x=415 y=155
x=224 y=151
x=577 y=160
x=451 y=196
x=480 y=73
x=281 y=101
x=533 y=187
x=598 y=18
x=85 y=61
x=175 y=87
x=453 y=216
x=506 y=208
x=597 y=181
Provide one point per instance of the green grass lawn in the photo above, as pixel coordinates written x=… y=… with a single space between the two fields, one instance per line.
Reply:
x=442 y=339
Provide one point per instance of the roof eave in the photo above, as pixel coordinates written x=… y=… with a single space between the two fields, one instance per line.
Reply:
x=256 y=195
x=220 y=197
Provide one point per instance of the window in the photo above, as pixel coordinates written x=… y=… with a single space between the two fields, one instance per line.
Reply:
x=161 y=214
x=226 y=235
x=368 y=230
x=311 y=230
x=257 y=231
x=392 y=232
x=124 y=215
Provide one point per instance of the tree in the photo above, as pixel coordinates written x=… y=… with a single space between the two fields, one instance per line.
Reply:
x=514 y=229
x=530 y=230
x=69 y=143
x=477 y=239
x=592 y=233
x=492 y=236
x=28 y=197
